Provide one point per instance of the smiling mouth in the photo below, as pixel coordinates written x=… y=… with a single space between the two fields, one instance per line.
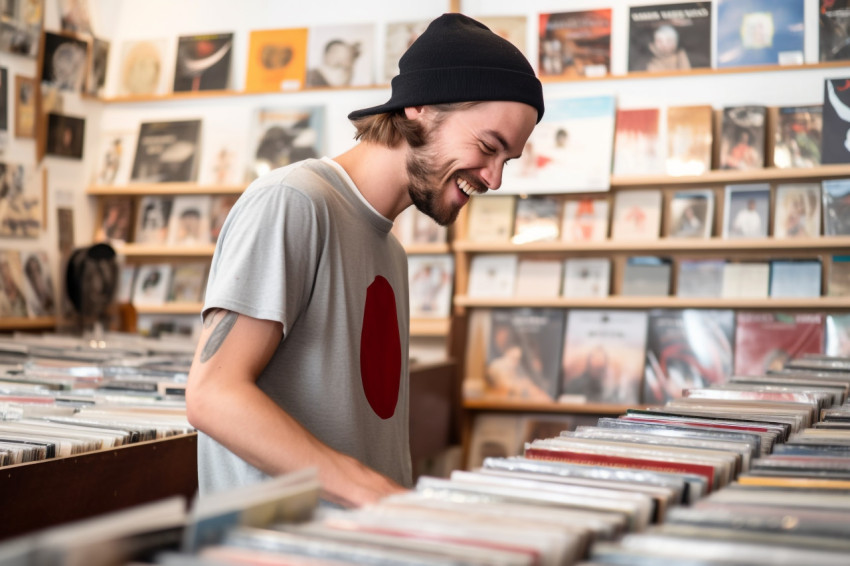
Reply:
x=467 y=188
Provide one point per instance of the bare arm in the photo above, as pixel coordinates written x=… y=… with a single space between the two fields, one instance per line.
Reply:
x=223 y=400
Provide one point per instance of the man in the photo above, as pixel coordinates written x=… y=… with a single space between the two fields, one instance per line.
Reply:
x=302 y=361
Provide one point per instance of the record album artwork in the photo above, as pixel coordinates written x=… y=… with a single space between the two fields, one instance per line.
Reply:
x=20 y=26
x=742 y=137
x=759 y=32
x=834 y=36
x=65 y=136
x=746 y=211
x=689 y=140
x=189 y=224
x=798 y=211
x=285 y=135
x=836 y=207
x=341 y=56
x=277 y=60
x=398 y=37
x=637 y=144
x=167 y=152
x=13 y=302
x=585 y=220
x=26 y=91
x=187 y=282
x=38 y=284
x=766 y=340
x=152 y=219
x=64 y=62
x=152 y=284
x=74 y=16
x=670 y=37
x=574 y=44
x=511 y=28
x=21 y=201
x=431 y=279
x=797 y=136
x=537 y=220
x=116 y=220
x=141 y=71
x=203 y=62
x=96 y=74
x=114 y=158
x=835 y=147
x=691 y=214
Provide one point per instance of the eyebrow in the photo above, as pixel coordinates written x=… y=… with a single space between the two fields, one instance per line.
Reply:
x=502 y=142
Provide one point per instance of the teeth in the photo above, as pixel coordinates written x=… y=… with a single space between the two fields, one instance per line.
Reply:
x=464 y=187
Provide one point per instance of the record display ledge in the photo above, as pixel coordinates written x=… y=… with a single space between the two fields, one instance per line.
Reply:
x=27 y=323
x=718 y=176
x=661 y=302
x=495 y=404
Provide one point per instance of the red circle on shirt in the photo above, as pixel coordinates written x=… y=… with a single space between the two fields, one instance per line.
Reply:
x=380 y=349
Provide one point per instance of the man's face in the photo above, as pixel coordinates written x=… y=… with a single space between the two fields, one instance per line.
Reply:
x=464 y=154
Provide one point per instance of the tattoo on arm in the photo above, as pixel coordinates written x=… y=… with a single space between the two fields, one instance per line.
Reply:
x=218 y=334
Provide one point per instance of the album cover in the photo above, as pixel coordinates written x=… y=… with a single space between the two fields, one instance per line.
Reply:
x=187 y=282
x=126 y=279
x=277 y=60
x=524 y=353
x=430 y=278
x=398 y=36
x=585 y=220
x=670 y=37
x=837 y=335
x=74 y=16
x=836 y=207
x=493 y=435
x=492 y=275
x=152 y=284
x=586 y=277
x=838 y=284
x=13 y=302
x=746 y=211
x=38 y=284
x=538 y=278
x=152 y=219
x=700 y=278
x=96 y=71
x=603 y=357
x=835 y=147
x=637 y=145
x=759 y=32
x=766 y=340
x=142 y=68
x=220 y=206
x=637 y=215
x=64 y=61
x=114 y=158
x=65 y=136
x=570 y=150
x=167 y=152
x=189 y=221
x=537 y=220
x=801 y=278
x=340 y=56
x=689 y=140
x=26 y=91
x=4 y=102
x=834 y=30
x=574 y=44
x=798 y=211
x=285 y=135
x=203 y=62
x=746 y=280
x=797 y=136
x=116 y=220
x=21 y=209
x=646 y=276
x=691 y=214
x=20 y=27
x=742 y=137
x=686 y=349
x=490 y=218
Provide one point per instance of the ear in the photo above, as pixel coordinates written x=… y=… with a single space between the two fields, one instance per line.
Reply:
x=414 y=112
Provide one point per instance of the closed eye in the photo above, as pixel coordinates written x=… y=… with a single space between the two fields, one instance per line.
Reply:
x=487 y=149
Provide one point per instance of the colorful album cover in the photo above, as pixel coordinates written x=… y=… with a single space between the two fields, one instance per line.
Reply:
x=691 y=214
x=203 y=62
x=277 y=60
x=574 y=44
x=524 y=354
x=38 y=284
x=341 y=56
x=116 y=220
x=538 y=219
x=167 y=152
x=585 y=220
x=670 y=37
x=398 y=37
x=114 y=159
x=797 y=136
x=152 y=218
x=742 y=137
x=759 y=32
x=21 y=209
x=834 y=36
x=64 y=62
x=96 y=72
x=570 y=150
x=689 y=139
x=637 y=215
x=431 y=278
x=490 y=218
x=142 y=68
x=189 y=222
x=798 y=211
x=746 y=211
x=766 y=340
x=686 y=349
x=603 y=359
x=20 y=27
x=836 y=207
x=13 y=301
x=637 y=144
x=285 y=135
x=835 y=147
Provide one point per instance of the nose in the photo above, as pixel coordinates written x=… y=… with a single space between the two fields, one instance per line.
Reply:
x=492 y=174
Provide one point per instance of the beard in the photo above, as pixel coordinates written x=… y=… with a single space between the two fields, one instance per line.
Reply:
x=427 y=173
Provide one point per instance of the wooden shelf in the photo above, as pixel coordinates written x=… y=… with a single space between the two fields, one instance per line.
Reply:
x=207 y=94
x=619 y=302
x=27 y=323
x=553 y=407
x=429 y=326
x=146 y=250
x=729 y=176
x=170 y=308
x=416 y=249
x=143 y=189
x=661 y=245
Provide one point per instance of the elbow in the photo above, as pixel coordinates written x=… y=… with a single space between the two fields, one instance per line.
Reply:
x=197 y=403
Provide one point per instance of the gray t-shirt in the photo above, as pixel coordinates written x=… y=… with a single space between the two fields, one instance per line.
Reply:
x=302 y=247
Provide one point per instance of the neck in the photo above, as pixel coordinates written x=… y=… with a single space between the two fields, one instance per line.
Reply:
x=380 y=175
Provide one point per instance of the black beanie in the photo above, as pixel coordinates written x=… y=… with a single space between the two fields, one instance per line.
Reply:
x=457 y=59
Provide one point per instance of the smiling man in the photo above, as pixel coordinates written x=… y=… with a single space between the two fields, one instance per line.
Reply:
x=302 y=361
